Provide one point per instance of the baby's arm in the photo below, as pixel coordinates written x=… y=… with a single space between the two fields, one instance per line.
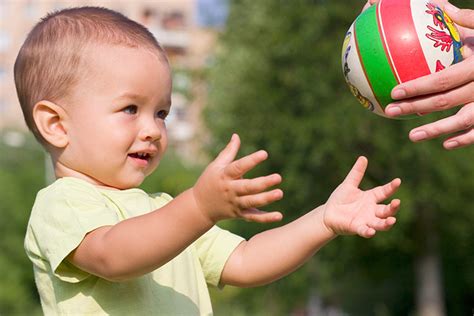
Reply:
x=141 y=244
x=275 y=253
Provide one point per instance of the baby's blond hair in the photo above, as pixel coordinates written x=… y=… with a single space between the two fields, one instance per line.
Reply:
x=51 y=60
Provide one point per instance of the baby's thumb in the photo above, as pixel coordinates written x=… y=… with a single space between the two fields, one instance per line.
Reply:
x=356 y=174
x=462 y=17
x=228 y=154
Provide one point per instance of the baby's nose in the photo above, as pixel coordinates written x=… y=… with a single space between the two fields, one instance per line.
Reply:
x=151 y=132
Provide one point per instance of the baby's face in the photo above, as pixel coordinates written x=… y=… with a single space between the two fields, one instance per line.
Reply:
x=115 y=117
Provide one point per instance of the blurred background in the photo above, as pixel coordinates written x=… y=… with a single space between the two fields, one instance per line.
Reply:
x=270 y=70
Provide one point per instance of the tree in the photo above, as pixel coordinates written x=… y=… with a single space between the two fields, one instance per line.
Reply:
x=21 y=176
x=277 y=81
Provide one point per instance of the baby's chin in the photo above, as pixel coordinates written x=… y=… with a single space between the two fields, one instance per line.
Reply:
x=122 y=184
x=126 y=181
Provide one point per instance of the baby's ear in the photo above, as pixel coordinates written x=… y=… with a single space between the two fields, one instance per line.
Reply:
x=49 y=119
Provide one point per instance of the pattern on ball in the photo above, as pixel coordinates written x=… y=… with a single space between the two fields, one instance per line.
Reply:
x=393 y=42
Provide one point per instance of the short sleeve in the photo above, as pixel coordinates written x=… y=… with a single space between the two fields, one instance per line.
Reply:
x=161 y=199
x=213 y=249
x=61 y=217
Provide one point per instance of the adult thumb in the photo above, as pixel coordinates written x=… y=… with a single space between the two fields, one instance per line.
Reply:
x=462 y=17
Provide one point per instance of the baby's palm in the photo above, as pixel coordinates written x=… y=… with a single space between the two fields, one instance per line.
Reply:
x=221 y=192
x=351 y=210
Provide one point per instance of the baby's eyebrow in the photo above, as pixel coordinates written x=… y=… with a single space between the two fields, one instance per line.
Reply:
x=132 y=96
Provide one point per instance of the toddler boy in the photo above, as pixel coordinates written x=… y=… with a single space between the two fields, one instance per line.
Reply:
x=95 y=90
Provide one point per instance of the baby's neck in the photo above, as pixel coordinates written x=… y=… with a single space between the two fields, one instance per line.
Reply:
x=62 y=171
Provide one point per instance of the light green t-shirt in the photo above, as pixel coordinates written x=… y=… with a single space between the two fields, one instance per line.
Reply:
x=68 y=209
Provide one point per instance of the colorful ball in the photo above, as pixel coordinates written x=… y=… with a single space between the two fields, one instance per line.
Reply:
x=393 y=42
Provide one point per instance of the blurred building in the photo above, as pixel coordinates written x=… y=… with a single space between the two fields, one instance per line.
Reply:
x=179 y=25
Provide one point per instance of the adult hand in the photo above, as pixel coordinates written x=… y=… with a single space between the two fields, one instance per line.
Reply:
x=449 y=88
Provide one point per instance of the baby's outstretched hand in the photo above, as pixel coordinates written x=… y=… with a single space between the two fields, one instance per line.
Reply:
x=221 y=192
x=350 y=210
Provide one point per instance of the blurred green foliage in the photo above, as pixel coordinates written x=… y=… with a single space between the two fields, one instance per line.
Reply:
x=277 y=81
x=21 y=177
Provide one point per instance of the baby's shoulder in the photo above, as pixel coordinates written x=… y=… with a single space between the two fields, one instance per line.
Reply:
x=161 y=198
x=69 y=189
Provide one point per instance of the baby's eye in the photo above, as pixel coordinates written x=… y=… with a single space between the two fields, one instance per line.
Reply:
x=131 y=109
x=162 y=114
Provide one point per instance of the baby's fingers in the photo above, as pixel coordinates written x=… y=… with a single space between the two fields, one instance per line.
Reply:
x=383 y=192
x=240 y=167
x=369 y=231
x=258 y=216
x=385 y=211
x=382 y=224
x=260 y=199
x=366 y=231
x=253 y=186
x=228 y=154
x=354 y=177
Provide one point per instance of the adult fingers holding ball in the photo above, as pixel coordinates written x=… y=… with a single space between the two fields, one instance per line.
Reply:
x=448 y=88
x=394 y=42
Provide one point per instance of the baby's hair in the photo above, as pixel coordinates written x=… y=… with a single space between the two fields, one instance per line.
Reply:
x=51 y=60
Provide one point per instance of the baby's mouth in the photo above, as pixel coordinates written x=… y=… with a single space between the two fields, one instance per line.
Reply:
x=141 y=156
